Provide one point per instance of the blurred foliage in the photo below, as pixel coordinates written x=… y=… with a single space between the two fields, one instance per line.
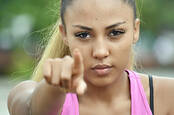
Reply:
x=43 y=11
x=157 y=15
x=22 y=65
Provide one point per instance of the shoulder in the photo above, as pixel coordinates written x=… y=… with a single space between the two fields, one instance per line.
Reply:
x=24 y=88
x=28 y=84
x=23 y=85
x=163 y=92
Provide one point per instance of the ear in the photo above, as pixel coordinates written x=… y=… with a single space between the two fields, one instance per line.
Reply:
x=63 y=34
x=136 y=30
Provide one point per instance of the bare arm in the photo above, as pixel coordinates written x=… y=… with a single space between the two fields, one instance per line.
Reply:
x=18 y=98
x=163 y=95
x=38 y=98
x=47 y=97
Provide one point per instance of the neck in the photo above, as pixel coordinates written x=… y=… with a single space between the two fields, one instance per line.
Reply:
x=118 y=89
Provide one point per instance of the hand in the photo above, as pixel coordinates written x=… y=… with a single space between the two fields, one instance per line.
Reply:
x=66 y=73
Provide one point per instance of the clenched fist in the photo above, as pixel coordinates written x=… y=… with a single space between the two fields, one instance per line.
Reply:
x=66 y=73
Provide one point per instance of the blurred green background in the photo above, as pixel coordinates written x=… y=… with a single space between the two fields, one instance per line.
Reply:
x=24 y=23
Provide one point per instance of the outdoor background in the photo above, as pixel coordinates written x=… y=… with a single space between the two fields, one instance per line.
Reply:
x=24 y=23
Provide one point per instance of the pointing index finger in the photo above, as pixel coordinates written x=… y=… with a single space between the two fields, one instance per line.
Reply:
x=78 y=67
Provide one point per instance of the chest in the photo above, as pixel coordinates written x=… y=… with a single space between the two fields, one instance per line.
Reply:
x=123 y=108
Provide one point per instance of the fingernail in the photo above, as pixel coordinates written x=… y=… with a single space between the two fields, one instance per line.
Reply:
x=76 y=50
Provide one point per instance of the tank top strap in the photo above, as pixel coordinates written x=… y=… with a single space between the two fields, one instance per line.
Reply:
x=139 y=103
x=151 y=94
x=71 y=105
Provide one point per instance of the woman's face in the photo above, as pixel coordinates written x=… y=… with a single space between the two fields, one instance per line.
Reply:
x=104 y=32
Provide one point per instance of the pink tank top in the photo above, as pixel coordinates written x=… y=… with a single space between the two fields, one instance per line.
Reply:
x=139 y=103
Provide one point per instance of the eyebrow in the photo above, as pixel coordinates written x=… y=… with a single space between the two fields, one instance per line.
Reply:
x=90 y=29
x=115 y=25
x=83 y=27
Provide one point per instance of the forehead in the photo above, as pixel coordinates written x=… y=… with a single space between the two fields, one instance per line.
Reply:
x=92 y=12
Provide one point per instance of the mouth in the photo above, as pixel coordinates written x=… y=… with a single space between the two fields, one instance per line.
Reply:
x=102 y=69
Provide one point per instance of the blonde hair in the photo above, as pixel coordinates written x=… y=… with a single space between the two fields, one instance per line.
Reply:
x=54 y=49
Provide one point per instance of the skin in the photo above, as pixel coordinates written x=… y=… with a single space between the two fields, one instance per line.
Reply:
x=97 y=95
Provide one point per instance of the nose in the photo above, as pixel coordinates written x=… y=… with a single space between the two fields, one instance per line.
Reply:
x=100 y=50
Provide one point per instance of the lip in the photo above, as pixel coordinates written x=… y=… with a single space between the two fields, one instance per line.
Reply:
x=101 y=66
x=102 y=69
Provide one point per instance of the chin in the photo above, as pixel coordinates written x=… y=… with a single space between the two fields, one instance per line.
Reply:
x=103 y=81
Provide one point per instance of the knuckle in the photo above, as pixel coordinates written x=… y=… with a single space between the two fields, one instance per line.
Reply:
x=55 y=83
x=58 y=60
x=65 y=77
x=71 y=61
x=49 y=60
x=67 y=58
x=46 y=62
x=57 y=63
x=67 y=61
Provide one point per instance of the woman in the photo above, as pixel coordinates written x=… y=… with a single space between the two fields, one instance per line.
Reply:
x=87 y=69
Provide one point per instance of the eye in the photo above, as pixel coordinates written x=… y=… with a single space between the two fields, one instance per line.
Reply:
x=82 y=35
x=115 y=33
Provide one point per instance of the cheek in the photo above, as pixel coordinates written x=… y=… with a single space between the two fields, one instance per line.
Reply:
x=122 y=53
x=73 y=43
